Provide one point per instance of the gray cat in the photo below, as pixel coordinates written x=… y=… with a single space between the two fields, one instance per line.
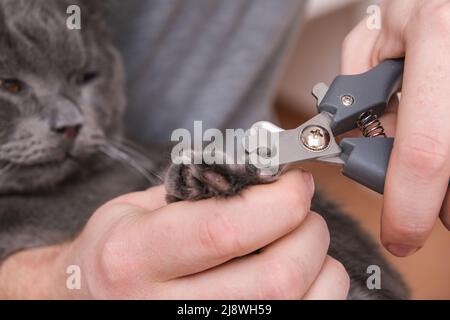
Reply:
x=62 y=150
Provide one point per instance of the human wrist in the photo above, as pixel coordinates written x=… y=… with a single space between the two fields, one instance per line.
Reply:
x=37 y=274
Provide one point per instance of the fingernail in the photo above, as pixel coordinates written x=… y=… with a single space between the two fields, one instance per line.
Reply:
x=309 y=179
x=401 y=250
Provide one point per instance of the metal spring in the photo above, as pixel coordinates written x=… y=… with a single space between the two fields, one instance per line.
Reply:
x=370 y=126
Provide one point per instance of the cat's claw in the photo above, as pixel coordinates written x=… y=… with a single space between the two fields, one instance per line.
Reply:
x=202 y=181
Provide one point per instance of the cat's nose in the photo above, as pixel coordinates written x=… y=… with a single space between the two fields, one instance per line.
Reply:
x=68 y=128
x=66 y=121
x=68 y=132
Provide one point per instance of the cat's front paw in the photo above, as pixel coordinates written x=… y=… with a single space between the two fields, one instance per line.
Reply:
x=201 y=181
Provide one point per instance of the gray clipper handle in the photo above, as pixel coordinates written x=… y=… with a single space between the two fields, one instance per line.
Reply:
x=370 y=91
x=366 y=160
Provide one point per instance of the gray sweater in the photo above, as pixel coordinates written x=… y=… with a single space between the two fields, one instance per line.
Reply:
x=210 y=60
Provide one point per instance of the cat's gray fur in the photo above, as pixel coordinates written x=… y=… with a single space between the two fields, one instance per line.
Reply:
x=52 y=176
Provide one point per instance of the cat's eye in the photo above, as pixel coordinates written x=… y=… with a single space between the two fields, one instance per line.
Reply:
x=86 y=77
x=13 y=86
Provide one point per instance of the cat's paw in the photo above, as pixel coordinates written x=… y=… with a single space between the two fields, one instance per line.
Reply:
x=201 y=181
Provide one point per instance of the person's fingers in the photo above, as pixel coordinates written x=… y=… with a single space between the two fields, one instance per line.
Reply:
x=419 y=170
x=189 y=237
x=418 y=173
x=333 y=282
x=357 y=49
x=126 y=207
x=151 y=199
x=387 y=46
x=445 y=211
x=283 y=270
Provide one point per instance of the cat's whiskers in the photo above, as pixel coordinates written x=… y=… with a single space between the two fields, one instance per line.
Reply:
x=129 y=157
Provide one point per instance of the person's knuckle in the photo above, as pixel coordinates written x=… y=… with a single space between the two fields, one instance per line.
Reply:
x=423 y=155
x=113 y=266
x=435 y=16
x=283 y=279
x=348 y=43
x=345 y=46
x=219 y=236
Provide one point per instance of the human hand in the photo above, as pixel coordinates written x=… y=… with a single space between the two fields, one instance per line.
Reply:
x=416 y=190
x=137 y=246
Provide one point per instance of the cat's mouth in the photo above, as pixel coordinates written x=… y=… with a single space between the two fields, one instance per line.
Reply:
x=49 y=164
x=39 y=175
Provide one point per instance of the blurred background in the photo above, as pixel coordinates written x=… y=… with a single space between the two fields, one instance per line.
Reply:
x=316 y=58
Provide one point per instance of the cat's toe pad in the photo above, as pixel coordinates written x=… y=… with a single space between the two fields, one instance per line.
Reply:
x=216 y=181
x=194 y=182
x=202 y=181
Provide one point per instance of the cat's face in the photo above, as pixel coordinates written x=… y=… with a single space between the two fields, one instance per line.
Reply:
x=61 y=91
